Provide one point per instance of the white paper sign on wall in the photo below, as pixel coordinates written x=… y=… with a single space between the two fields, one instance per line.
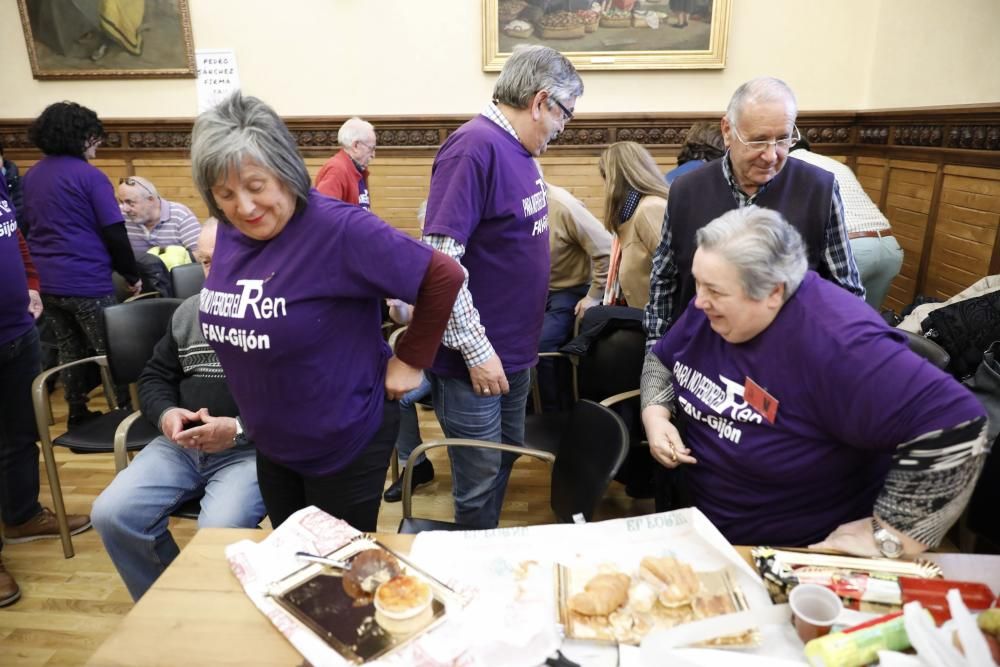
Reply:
x=218 y=76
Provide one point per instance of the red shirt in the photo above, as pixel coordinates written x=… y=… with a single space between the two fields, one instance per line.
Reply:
x=339 y=178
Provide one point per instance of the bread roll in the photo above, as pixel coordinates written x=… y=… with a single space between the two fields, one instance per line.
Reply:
x=602 y=595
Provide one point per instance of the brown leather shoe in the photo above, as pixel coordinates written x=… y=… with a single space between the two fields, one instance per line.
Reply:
x=44 y=526
x=9 y=591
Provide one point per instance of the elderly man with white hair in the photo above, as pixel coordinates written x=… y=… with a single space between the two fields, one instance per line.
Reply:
x=802 y=419
x=345 y=175
x=153 y=222
x=758 y=130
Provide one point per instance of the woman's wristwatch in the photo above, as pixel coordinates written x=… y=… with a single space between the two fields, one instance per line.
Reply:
x=888 y=544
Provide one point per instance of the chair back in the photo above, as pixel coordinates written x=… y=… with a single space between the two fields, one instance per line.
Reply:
x=590 y=454
x=927 y=349
x=133 y=329
x=187 y=279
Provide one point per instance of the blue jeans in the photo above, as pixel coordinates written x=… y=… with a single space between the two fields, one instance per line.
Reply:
x=132 y=514
x=878 y=260
x=409 y=425
x=479 y=476
x=554 y=375
x=19 y=364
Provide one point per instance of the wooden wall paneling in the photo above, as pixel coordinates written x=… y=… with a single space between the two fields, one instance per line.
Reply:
x=907 y=206
x=397 y=187
x=967 y=225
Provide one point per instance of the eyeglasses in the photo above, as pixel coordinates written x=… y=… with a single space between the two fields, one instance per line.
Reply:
x=128 y=180
x=567 y=114
x=370 y=147
x=782 y=144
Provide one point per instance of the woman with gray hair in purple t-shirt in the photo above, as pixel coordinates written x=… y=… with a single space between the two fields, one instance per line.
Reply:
x=802 y=419
x=292 y=308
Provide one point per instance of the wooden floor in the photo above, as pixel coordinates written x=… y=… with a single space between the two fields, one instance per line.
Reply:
x=69 y=606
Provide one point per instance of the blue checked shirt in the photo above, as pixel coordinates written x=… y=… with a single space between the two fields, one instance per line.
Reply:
x=663 y=277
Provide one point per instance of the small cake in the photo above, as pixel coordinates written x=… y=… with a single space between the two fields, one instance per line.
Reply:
x=369 y=569
x=404 y=596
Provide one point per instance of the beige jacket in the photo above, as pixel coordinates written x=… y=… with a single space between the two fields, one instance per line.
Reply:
x=639 y=236
x=580 y=246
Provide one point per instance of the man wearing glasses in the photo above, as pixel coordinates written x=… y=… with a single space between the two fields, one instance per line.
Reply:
x=345 y=175
x=154 y=222
x=758 y=130
x=487 y=208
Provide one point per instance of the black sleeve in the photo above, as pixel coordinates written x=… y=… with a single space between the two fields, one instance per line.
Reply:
x=159 y=382
x=122 y=258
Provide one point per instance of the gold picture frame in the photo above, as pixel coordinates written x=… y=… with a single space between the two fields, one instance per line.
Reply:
x=95 y=39
x=633 y=35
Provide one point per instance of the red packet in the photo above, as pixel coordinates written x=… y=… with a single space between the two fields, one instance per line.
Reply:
x=761 y=401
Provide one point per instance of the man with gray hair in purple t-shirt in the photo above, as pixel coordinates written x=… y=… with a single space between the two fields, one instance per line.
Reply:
x=487 y=209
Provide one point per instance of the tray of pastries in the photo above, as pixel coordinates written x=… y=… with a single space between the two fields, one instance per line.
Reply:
x=607 y=602
x=368 y=602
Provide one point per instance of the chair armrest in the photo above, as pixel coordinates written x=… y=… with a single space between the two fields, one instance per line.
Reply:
x=415 y=455
x=394 y=337
x=536 y=394
x=618 y=398
x=121 y=438
x=144 y=295
x=40 y=394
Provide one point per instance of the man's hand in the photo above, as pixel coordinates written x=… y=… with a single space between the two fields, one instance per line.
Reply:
x=488 y=378
x=400 y=378
x=136 y=288
x=214 y=435
x=175 y=420
x=665 y=442
x=583 y=304
x=35 y=303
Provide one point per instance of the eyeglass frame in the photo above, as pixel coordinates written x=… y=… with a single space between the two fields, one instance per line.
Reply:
x=371 y=147
x=132 y=181
x=567 y=114
x=764 y=145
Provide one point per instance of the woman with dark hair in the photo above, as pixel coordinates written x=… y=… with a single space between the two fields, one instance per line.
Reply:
x=635 y=197
x=702 y=143
x=293 y=309
x=77 y=236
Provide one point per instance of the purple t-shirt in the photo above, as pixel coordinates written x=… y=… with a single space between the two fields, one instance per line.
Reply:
x=487 y=194
x=296 y=323
x=66 y=203
x=15 y=320
x=849 y=391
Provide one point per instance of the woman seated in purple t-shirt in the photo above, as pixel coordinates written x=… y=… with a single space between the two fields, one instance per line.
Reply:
x=292 y=308
x=802 y=419
x=77 y=236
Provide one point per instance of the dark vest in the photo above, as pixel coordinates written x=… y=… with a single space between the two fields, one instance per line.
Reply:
x=801 y=192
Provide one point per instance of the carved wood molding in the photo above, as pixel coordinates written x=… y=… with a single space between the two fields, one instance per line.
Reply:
x=950 y=130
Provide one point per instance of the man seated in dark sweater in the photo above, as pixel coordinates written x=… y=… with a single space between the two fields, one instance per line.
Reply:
x=202 y=451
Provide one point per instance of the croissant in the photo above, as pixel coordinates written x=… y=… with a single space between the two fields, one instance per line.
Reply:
x=602 y=595
x=676 y=581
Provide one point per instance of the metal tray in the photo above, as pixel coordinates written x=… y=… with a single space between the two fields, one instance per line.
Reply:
x=315 y=596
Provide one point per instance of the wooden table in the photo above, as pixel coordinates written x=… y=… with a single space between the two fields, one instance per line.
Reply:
x=197 y=613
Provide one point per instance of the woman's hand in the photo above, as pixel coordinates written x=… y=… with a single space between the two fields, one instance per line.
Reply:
x=858 y=539
x=35 y=303
x=214 y=435
x=400 y=378
x=665 y=442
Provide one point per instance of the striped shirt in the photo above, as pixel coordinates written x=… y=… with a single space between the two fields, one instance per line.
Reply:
x=860 y=212
x=177 y=226
x=465 y=332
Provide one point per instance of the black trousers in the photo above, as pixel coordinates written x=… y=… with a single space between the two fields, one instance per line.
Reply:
x=353 y=494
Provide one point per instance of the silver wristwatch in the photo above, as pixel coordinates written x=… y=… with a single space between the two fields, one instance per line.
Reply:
x=888 y=544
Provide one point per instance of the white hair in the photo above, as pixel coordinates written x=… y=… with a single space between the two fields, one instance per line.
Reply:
x=353 y=129
x=766 y=250
x=761 y=89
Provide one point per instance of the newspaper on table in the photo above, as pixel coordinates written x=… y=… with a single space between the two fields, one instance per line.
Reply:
x=505 y=576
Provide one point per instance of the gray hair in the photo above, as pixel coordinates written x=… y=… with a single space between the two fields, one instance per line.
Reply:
x=353 y=129
x=144 y=183
x=761 y=89
x=532 y=68
x=244 y=128
x=766 y=250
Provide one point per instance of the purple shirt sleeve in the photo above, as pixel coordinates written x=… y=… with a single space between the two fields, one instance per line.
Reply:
x=457 y=198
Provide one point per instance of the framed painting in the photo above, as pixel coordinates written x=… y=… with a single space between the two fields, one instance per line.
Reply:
x=108 y=39
x=611 y=34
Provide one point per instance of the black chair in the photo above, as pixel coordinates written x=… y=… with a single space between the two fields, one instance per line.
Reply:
x=132 y=330
x=187 y=279
x=592 y=449
x=927 y=349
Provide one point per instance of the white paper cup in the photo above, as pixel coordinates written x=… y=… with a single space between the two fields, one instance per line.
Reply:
x=814 y=610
